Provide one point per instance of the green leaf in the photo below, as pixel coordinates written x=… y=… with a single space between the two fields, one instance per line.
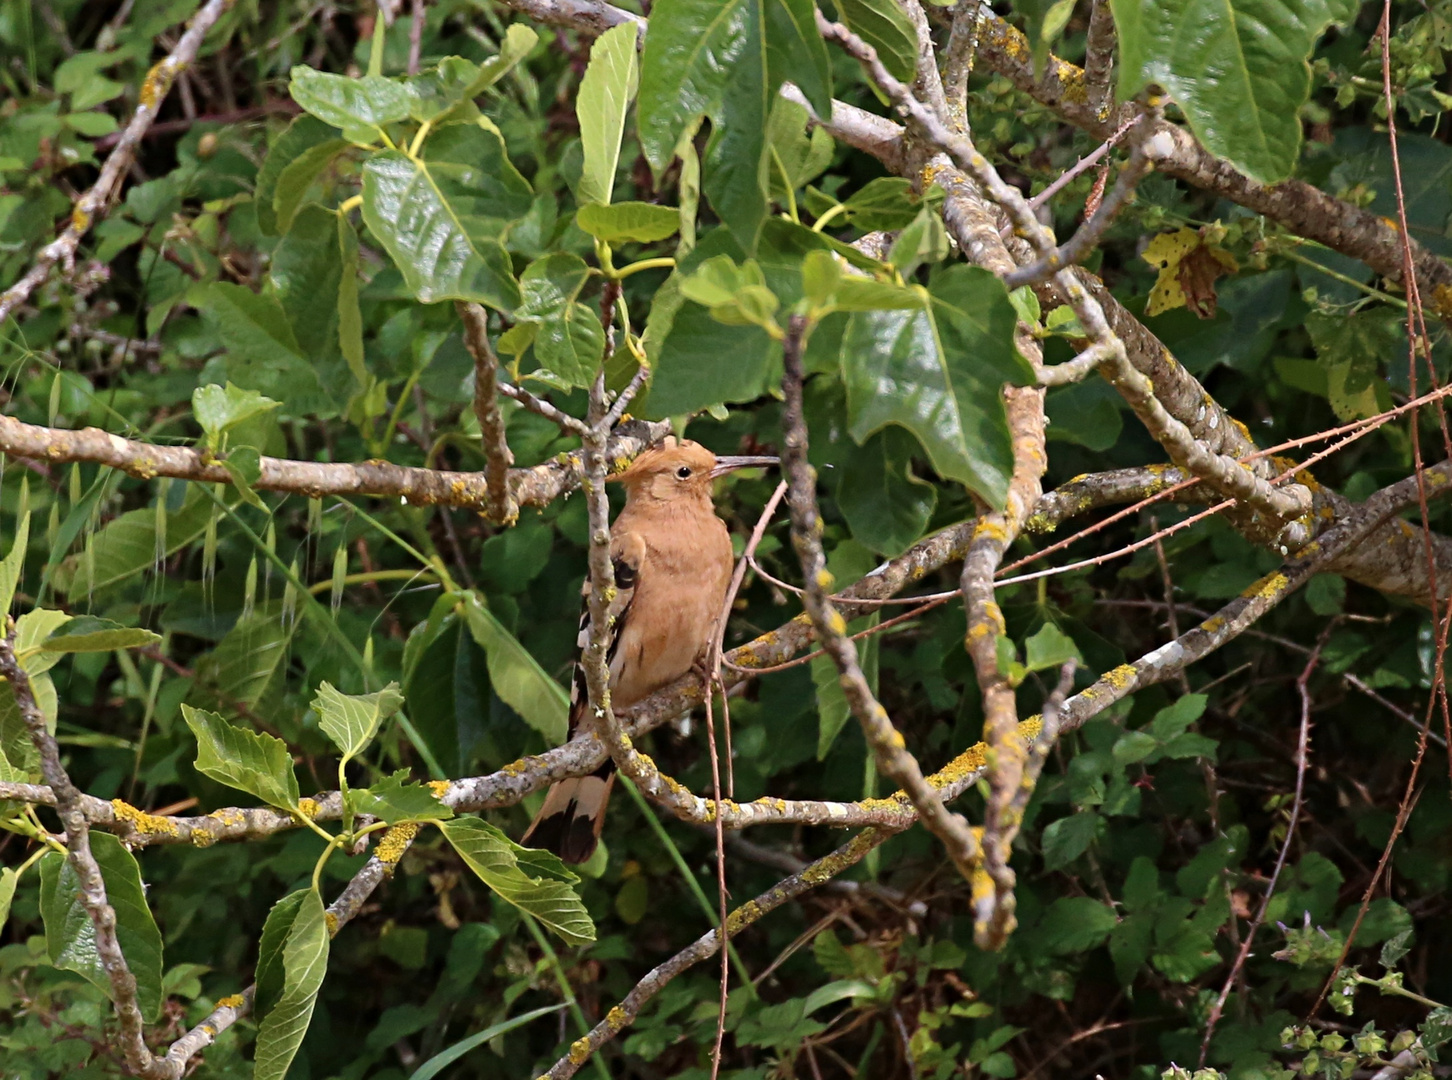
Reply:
x=886 y=506
x=643 y=223
x=516 y=677
x=444 y=1058
x=8 y=880
x=12 y=565
x=360 y=106
x=1134 y=746
x=263 y=353
x=128 y=546
x=923 y=241
x=797 y=51
x=247 y=665
x=1075 y=924
x=1049 y=647
x=1241 y=76
x=351 y=720
x=886 y=204
x=304 y=963
x=307 y=277
x=217 y=409
x=70 y=935
x=939 y=371
x=605 y=92
x=350 y=315
x=456 y=80
x=567 y=335
x=87 y=633
x=394 y=799
x=540 y=887
x=1068 y=838
x=251 y=761
x=440 y=216
x=797 y=152
x=269 y=976
x=885 y=26
x=1173 y=719
x=294 y=180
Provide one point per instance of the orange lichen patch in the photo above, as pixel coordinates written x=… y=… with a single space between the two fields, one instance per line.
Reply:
x=439 y=787
x=750 y=911
x=80 y=220
x=232 y=1001
x=1120 y=677
x=616 y=1018
x=142 y=822
x=395 y=842
x=1071 y=79
x=308 y=808
x=1442 y=301
x=229 y=816
x=579 y=1051
x=1213 y=624
x=987 y=528
x=332 y=922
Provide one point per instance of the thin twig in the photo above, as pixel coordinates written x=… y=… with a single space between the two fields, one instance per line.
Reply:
x=500 y=507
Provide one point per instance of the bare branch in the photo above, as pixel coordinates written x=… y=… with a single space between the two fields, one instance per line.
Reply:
x=1099 y=58
x=500 y=508
x=92 y=205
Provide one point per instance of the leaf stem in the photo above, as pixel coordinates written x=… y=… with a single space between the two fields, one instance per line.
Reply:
x=644 y=264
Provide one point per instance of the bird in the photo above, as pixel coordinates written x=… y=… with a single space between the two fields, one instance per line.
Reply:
x=673 y=562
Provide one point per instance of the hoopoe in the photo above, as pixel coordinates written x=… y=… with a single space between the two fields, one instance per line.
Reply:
x=673 y=562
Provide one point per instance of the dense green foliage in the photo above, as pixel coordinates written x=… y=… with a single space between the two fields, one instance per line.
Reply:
x=274 y=281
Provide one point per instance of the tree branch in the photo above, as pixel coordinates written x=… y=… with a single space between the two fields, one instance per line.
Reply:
x=92 y=205
x=500 y=508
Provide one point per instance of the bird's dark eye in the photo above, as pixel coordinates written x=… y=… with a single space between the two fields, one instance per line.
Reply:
x=684 y=472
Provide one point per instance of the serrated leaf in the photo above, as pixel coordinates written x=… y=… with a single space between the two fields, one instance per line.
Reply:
x=643 y=223
x=358 y=106
x=270 y=977
x=1134 y=746
x=440 y=216
x=568 y=338
x=939 y=371
x=885 y=26
x=1241 y=75
x=393 y=799
x=1173 y=719
x=247 y=665
x=302 y=139
x=70 y=935
x=87 y=633
x=505 y=867
x=605 y=92
x=516 y=676
x=351 y=720
x=1075 y=924
x=250 y=761
x=304 y=964
x=1049 y=647
x=218 y=408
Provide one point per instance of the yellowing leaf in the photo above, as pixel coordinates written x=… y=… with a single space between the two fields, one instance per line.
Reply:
x=1189 y=266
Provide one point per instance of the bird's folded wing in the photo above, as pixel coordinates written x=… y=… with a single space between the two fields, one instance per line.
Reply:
x=627 y=556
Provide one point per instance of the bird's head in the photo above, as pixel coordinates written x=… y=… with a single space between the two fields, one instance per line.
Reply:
x=679 y=469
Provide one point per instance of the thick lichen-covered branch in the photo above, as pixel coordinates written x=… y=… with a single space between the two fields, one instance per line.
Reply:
x=93 y=203
x=91 y=885
x=537 y=486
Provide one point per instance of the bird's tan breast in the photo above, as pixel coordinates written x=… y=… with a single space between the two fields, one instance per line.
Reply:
x=681 y=587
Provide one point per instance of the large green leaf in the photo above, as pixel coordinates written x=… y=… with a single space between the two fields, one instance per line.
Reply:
x=641 y=222
x=541 y=886
x=269 y=976
x=70 y=935
x=567 y=335
x=886 y=506
x=263 y=353
x=128 y=546
x=251 y=761
x=441 y=215
x=360 y=106
x=939 y=371
x=295 y=181
x=797 y=52
x=605 y=92
x=246 y=666
x=517 y=677
x=309 y=144
x=304 y=963
x=1237 y=68
x=885 y=26
x=217 y=409
x=351 y=720
x=307 y=273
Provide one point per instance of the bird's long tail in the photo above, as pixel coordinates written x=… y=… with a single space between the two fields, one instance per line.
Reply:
x=573 y=813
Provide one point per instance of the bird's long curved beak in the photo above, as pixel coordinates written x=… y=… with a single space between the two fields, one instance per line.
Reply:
x=725 y=465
